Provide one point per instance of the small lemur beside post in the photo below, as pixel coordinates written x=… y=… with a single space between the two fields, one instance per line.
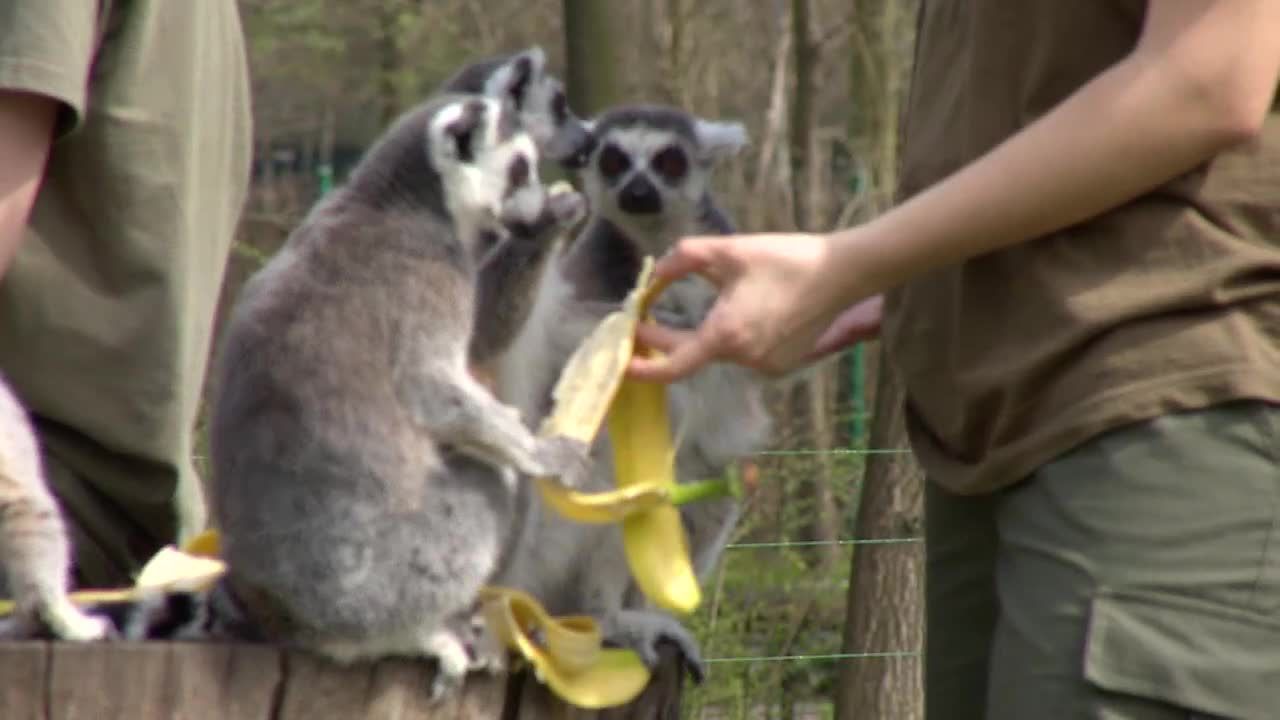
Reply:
x=35 y=548
x=647 y=176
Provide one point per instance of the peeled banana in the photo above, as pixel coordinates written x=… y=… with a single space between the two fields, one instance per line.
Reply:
x=654 y=538
x=593 y=389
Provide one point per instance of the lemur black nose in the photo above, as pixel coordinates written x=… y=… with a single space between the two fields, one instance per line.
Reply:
x=640 y=197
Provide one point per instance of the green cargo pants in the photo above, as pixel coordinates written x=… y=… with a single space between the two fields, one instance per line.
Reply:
x=1137 y=577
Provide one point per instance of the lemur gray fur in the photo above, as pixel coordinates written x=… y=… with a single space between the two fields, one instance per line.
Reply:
x=364 y=481
x=35 y=549
x=648 y=181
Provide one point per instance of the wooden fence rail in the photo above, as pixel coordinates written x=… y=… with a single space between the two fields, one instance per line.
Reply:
x=193 y=681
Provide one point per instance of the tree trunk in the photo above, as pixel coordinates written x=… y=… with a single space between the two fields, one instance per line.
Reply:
x=885 y=604
x=826 y=526
x=388 y=62
x=593 y=37
x=884 y=608
x=804 y=56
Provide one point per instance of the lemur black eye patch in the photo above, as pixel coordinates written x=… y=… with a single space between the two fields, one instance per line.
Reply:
x=613 y=162
x=671 y=163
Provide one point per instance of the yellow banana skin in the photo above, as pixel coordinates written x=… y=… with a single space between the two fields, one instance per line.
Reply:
x=593 y=389
x=656 y=546
x=614 y=506
x=570 y=658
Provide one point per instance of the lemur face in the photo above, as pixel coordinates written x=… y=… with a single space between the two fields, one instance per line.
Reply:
x=652 y=165
x=540 y=100
x=488 y=163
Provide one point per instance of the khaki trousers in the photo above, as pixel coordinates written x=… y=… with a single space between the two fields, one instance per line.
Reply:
x=1137 y=577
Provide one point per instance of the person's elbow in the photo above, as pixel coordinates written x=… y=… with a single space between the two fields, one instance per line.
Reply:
x=1217 y=65
x=1226 y=99
x=1238 y=112
x=1215 y=108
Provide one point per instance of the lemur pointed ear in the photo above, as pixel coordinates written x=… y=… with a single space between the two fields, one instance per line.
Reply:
x=537 y=57
x=720 y=140
x=513 y=78
x=457 y=127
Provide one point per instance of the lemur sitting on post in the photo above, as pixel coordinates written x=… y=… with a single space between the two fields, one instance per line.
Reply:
x=364 y=482
x=647 y=177
x=439 y=237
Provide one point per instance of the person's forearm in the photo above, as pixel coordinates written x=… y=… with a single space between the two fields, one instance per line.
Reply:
x=1129 y=130
x=26 y=123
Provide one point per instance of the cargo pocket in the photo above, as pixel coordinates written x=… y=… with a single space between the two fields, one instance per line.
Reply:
x=1187 y=652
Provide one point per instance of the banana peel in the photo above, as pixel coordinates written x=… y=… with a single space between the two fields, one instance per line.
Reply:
x=654 y=539
x=585 y=397
x=581 y=400
x=593 y=389
x=566 y=652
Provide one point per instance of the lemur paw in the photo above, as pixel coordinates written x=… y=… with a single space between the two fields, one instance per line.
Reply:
x=70 y=623
x=452 y=663
x=643 y=630
x=485 y=652
x=566 y=205
x=566 y=458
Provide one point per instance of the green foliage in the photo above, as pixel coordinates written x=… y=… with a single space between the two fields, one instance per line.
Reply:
x=774 y=602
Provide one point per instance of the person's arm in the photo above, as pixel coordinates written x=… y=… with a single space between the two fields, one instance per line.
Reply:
x=1200 y=80
x=26 y=131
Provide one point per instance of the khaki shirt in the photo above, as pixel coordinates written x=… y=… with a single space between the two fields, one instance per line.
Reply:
x=1171 y=302
x=106 y=313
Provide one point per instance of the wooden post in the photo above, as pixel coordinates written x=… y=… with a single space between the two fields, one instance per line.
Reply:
x=198 y=681
x=231 y=681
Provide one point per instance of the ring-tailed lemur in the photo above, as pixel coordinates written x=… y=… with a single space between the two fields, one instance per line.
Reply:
x=538 y=98
x=363 y=480
x=648 y=182
x=35 y=548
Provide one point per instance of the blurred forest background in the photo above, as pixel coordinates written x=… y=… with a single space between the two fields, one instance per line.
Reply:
x=798 y=629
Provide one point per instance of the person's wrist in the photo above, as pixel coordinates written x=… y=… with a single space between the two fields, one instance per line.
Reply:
x=851 y=274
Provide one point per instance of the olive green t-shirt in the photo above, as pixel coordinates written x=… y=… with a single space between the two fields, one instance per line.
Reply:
x=106 y=313
x=1170 y=302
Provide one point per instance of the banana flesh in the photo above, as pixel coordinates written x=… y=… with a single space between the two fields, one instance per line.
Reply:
x=194 y=567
